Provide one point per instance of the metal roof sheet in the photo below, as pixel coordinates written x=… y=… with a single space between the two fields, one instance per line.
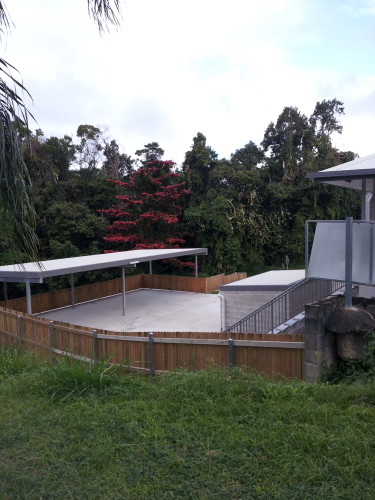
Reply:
x=31 y=270
x=348 y=175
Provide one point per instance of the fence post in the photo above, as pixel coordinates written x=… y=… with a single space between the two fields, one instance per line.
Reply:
x=95 y=345
x=151 y=354
x=19 y=332
x=51 y=337
x=230 y=353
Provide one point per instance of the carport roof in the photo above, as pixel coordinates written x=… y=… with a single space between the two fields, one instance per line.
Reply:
x=33 y=272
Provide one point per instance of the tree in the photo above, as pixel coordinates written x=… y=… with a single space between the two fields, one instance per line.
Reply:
x=289 y=141
x=89 y=150
x=74 y=223
x=148 y=212
x=297 y=145
x=151 y=152
x=16 y=209
x=196 y=167
x=249 y=157
x=116 y=166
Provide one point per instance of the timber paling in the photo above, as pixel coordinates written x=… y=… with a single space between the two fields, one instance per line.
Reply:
x=159 y=352
x=62 y=298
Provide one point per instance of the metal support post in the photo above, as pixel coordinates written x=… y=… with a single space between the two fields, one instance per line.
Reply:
x=28 y=297
x=5 y=290
x=371 y=254
x=363 y=201
x=72 y=296
x=306 y=247
x=150 y=267
x=123 y=289
x=348 y=261
x=151 y=354
x=196 y=266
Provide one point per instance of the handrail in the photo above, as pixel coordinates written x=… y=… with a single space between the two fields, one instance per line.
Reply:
x=288 y=304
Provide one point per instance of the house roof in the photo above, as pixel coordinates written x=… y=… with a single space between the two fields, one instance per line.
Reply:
x=348 y=175
x=33 y=272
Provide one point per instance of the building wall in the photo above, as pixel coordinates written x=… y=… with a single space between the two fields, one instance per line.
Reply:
x=239 y=304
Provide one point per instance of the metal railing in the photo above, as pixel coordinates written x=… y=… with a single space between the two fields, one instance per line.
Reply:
x=285 y=306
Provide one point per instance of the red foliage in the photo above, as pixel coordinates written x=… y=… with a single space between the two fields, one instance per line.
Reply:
x=147 y=214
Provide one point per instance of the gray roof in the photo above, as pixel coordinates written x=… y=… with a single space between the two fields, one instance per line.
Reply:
x=270 y=280
x=30 y=271
x=348 y=175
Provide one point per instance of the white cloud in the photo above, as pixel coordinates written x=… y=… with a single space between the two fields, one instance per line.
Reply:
x=176 y=68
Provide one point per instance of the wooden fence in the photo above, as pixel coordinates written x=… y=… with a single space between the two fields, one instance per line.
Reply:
x=153 y=353
x=61 y=298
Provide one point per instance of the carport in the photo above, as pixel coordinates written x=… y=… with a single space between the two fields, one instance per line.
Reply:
x=33 y=272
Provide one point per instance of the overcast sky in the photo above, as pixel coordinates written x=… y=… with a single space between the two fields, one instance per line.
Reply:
x=178 y=67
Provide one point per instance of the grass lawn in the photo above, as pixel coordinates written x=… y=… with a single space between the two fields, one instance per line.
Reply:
x=216 y=434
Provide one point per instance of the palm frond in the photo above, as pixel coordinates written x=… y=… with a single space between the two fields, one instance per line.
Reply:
x=5 y=21
x=16 y=209
x=105 y=13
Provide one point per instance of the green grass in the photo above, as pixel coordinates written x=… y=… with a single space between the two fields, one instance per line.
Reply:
x=213 y=434
x=13 y=361
x=68 y=378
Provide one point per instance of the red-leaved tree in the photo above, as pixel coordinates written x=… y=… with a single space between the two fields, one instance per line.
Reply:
x=147 y=214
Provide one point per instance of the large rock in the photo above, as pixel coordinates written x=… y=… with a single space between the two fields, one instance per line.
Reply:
x=343 y=320
x=352 y=345
x=352 y=326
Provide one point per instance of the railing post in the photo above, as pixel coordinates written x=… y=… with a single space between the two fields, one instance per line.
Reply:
x=95 y=350
x=151 y=354
x=271 y=316
x=230 y=353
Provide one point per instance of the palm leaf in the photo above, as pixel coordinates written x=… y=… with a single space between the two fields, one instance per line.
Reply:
x=104 y=12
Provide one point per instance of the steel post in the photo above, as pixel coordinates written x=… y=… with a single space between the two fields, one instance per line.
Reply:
x=348 y=261
x=72 y=296
x=28 y=297
x=123 y=289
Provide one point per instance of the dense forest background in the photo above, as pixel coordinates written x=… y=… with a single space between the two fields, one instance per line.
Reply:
x=248 y=210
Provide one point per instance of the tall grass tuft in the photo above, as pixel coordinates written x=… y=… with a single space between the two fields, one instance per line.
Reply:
x=13 y=361
x=69 y=378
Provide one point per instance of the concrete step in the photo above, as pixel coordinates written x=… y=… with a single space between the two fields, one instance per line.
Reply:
x=288 y=324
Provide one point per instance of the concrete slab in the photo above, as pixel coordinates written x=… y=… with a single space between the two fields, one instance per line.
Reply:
x=147 y=310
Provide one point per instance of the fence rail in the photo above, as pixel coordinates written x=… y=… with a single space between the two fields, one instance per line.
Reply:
x=159 y=352
x=285 y=306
